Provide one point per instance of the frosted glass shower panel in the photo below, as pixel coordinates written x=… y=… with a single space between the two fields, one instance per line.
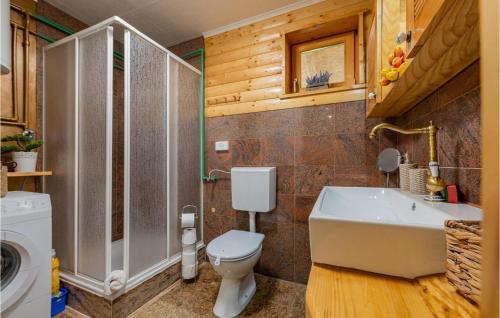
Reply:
x=94 y=152
x=185 y=146
x=147 y=144
x=59 y=147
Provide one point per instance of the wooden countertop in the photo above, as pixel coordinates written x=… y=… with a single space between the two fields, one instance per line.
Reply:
x=342 y=293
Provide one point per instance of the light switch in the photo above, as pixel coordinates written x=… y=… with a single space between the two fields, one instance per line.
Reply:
x=222 y=145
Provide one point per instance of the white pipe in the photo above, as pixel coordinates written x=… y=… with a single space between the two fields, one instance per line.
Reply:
x=252 y=221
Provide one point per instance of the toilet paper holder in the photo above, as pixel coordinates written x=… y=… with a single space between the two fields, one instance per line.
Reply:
x=189 y=206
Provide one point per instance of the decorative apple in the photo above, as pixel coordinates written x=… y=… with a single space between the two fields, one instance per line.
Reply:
x=384 y=81
x=398 y=51
x=397 y=61
x=390 y=58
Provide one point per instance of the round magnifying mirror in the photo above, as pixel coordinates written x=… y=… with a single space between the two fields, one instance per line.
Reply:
x=388 y=160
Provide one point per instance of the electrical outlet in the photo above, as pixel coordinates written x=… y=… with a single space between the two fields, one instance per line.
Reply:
x=212 y=210
x=222 y=145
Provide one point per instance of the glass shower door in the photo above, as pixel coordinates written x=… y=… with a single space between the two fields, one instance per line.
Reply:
x=146 y=190
x=95 y=110
x=185 y=147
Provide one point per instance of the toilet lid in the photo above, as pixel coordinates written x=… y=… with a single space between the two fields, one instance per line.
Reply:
x=235 y=244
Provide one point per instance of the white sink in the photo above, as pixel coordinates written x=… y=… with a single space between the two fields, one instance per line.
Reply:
x=384 y=231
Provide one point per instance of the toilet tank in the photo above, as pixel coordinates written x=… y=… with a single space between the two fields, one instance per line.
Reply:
x=253 y=188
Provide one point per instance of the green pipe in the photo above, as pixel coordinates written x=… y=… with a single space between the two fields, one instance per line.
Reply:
x=201 y=53
x=120 y=56
x=52 y=24
x=50 y=40
x=63 y=29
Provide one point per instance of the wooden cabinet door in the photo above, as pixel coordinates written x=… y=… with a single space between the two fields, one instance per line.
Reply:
x=419 y=14
x=373 y=59
x=388 y=20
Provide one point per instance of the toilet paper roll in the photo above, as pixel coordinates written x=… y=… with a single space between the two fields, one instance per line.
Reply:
x=188 y=258
x=189 y=236
x=188 y=271
x=189 y=248
x=187 y=220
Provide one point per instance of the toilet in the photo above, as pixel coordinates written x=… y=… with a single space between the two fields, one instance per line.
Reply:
x=234 y=254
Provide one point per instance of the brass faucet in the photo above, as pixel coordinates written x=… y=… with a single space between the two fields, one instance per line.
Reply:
x=434 y=183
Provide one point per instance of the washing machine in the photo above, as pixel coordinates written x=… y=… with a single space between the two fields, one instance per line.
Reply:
x=26 y=245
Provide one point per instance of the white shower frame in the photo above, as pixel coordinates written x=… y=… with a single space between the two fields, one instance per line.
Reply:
x=87 y=283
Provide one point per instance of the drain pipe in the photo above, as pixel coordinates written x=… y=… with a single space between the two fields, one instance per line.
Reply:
x=201 y=53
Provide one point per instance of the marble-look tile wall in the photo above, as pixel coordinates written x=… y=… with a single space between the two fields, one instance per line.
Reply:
x=328 y=145
x=455 y=109
x=311 y=147
x=188 y=46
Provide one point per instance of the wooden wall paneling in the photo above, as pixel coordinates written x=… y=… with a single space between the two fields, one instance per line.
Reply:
x=246 y=96
x=247 y=85
x=245 y=66
x=318 y=31
x=277 y=103
x=244 y=52
x=238 y=76
x=268 y=35
x=277 y=21
x=244 y=63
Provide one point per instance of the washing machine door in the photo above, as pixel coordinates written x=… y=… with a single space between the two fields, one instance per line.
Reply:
x=19 y=267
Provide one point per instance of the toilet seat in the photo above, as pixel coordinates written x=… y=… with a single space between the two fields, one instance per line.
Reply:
x=235 y=245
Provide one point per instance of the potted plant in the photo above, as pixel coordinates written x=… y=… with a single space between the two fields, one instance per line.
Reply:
x=22 y=155
x=318 y=81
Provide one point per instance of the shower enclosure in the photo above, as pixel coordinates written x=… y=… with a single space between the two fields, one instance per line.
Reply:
x=158 y=157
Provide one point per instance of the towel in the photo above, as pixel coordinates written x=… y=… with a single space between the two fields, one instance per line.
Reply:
x=114 y=282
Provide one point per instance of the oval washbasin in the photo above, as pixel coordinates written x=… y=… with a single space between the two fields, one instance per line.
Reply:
x=381 y=230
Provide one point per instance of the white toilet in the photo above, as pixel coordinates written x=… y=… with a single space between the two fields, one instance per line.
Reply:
x=234 y=254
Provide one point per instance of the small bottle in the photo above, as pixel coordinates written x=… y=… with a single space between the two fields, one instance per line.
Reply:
x=55 y=274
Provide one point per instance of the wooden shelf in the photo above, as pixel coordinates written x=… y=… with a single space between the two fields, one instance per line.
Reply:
x=337 y=292
x=29 y=174
x=447 y=46
x=322 y=91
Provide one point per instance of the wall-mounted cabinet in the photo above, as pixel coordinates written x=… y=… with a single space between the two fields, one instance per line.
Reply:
x=447 y=42
x=419 y=14
x=388 y=19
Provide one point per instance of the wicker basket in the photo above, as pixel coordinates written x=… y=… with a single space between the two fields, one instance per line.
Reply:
x=463 y=257
x=418 y=177
x=3 y=181
x=404 y=175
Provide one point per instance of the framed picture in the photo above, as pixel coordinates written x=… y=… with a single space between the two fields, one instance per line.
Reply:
x=334 y=54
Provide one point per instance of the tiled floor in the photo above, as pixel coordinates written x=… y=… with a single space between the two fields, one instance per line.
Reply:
x=274 y=298
x=70 y=313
